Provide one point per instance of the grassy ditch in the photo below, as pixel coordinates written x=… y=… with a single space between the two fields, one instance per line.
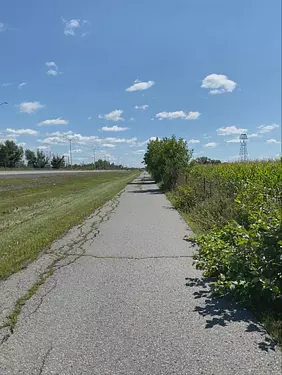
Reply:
x=36 y=211
x=235 y=211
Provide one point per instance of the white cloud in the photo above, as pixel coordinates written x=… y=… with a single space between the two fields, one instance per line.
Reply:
x=140 y=144
x=218 y=83
x=145 y=106
x=61 y=138
x=178 y=115
x=43 y=147
x=108 y=145
x=114 y=128
x=273 y=141
x=140 y=86
x=89 y=117
x=120 y=140
x=21 y=144
x=51 y=64
x=71 y=27
x=22 y=84
x=139 y=152
x=211 y=144
x=7 y=84
x=52 y=72
x=2 y=27
x=132 y=119
x=230 y=130
x=22 y=131
x=193 y=141
x=83 y=35
x=30 y=107
x=267 y=128
x=54 y=69
x=77 y=151
x=253 y=135
x=233 y=140
x=57 y=121
x=114 y=115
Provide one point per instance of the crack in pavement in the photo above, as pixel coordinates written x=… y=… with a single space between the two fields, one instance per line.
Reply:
x=44 y=360
x=81 y=239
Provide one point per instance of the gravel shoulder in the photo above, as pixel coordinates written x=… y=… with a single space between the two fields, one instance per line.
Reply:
x=126 y=299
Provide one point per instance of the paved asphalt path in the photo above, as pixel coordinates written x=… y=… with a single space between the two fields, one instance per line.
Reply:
x=131 y=302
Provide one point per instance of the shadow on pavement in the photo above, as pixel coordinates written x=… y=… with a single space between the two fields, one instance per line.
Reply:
x=142 y=183
x=146 y=191
x=221 y=311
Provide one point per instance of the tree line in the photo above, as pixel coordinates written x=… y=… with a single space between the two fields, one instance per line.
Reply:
x=14 y=156
x=166 y=159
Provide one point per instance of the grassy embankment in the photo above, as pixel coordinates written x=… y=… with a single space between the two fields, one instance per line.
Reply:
x=236 y=212
x=36 y=211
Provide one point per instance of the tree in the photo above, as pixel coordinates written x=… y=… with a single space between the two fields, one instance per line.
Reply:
x=58 y=162
x=166 y=159
x=30 y=158
x=204 y=160
x=10 y=154
x=38 y=160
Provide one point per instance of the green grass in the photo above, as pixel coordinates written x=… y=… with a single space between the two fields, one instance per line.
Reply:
x=36 y=211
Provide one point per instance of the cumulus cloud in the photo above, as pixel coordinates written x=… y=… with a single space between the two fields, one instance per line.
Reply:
x=273 y=141
x=178 y=115
x=114 y=128
x=22 y=131
x=140 y=86
x=30 y=107
x=145 y=106
x=230 y=130
x=71 y=27
x=267 y=128
x=61 y=138
x=218 y=84
x=56 y=121
x=113 y=116
x=7 y=84
x=193 y=141
x=211 y=144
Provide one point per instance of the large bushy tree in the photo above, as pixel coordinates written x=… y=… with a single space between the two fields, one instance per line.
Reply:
x=10 y=154
x=166 y=159
x=36 y=160
x=58 y=162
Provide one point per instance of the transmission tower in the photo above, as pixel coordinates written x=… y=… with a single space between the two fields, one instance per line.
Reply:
x=243 y=147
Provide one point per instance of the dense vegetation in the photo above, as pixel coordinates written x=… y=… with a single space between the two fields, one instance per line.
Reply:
x=235 y=209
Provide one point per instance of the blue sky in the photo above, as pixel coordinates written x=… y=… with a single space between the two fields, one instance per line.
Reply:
x=114 y=74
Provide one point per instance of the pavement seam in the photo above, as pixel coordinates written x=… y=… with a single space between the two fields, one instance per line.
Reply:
x=134 y=258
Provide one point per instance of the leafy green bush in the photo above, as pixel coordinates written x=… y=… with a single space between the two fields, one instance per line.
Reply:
x=166 y=159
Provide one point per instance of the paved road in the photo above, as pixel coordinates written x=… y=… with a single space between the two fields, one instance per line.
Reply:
x=38 y=173
x=127 y=300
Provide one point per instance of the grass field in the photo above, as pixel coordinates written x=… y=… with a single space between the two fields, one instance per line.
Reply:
x=36 y=211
